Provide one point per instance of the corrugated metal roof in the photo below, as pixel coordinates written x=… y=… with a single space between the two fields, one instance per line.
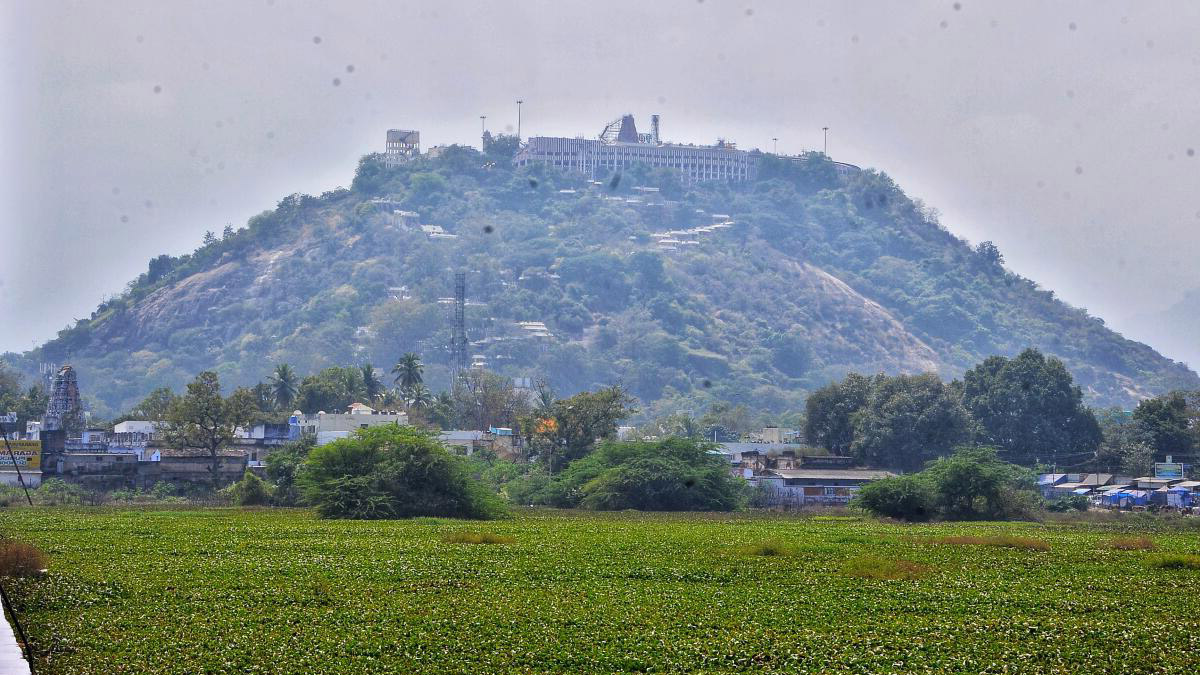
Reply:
x=832 y=474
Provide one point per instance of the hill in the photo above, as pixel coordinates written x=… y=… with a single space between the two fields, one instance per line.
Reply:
x=760 y=292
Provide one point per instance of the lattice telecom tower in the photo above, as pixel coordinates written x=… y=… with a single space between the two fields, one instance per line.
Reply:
x=459 y=345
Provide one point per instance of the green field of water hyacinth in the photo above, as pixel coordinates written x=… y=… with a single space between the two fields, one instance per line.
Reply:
x=279 y=591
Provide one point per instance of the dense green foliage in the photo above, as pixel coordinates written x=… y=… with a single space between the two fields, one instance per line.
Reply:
x=392 y=471
x=675 y=474
x=1030 y=408
x=819 y=276
x=226 y=591
x=971 y=484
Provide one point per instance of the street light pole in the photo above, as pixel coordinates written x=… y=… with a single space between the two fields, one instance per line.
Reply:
x=775 y=146
x=519 y=102
x=826 y=130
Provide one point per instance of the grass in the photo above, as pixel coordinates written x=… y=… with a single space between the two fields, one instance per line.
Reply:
x=1001 y=540
x=1131 y=544
x=890 y=569
x=1176 y=561
x=476 y=538
x=165 y=591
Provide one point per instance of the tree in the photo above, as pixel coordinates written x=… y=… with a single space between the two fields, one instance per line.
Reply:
x=1165 y=420
x=583 y=419
x=283 y=385
x=675 y=474
x=989 y=253
x=830 y=410
x=483 y=399
x=419 y=396
x=390 y=471
x=203 y=420
x=372 y=386
x=1030 y=408
x=908 y=420
x=282 y=466
x=408 y=371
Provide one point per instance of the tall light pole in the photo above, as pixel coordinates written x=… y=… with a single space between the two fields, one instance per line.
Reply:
x=482 y=124
x=519 y=102
x=826 y=130
x=775 y=146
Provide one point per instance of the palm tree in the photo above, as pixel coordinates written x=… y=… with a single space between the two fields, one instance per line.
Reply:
x=283 y=386
x=408 y=371
x=419 y=396
x=371 y=384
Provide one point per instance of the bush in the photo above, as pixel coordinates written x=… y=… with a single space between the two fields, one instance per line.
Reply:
x=1070 y=503
x=249 y=491
x=18 y=559
x=392 y=472
x=889 y=569
x=476 y=538
x=674 y=474
x=909 y=497
x=970 y=485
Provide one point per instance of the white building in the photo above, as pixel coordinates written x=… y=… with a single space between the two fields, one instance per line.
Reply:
x=328 y=427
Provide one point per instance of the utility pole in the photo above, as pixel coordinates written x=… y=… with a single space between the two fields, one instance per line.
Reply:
x=826 y=130
x=519 y=102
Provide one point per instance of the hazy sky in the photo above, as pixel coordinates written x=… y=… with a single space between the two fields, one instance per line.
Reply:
x=1065 y=132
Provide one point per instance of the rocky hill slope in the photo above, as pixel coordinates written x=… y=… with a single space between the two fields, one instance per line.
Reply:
x=753 y=293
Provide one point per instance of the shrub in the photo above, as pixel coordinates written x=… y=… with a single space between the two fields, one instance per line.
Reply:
x=1002 y=540
x=1132 y=543
x=1176 y=561
x=476 y=538
x=890 y=569
x=909 y=497
x=249 y=491
x=674 y=474
x=18 y=559
x=1070 y=503
x=392 y=471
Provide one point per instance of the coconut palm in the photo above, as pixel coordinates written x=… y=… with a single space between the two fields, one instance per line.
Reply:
x=408 y=371
x=419 y=396
x=372 y=386
x=284 y=386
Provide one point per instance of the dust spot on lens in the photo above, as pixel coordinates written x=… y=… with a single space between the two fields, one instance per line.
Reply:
x=1191 y=152
x=1079 y=171
x=707 y=384
x=488 y=229
x=116 y=191
x=158 y=89
x=533 y=183
x=337 y=82
x=124 y=219
x=316 y=39
x=957 y=6
x=141 y=39
x=270 y=134
x=1071 y=26
x=749 y=12
x=350 y=68
x=944 y=24
x=148 y=204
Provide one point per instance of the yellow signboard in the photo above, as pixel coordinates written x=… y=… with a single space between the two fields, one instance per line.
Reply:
x=27 y=453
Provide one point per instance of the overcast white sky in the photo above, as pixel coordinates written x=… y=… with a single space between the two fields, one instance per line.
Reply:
x=1068 y=133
